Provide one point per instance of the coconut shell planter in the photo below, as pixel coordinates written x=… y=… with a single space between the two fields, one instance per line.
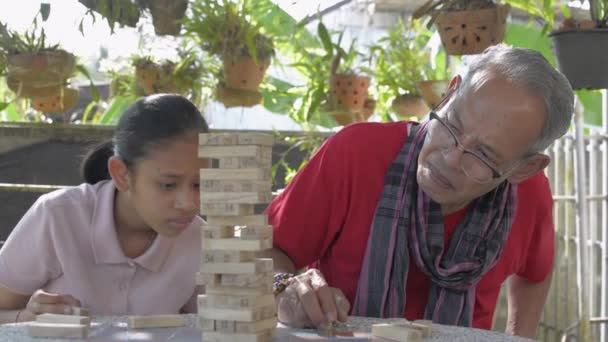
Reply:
x=152 y=78
x=348 y=101
x=242 y=78
x=472 y=31
x=43 y=77
x=407 y=106
x=166 y=15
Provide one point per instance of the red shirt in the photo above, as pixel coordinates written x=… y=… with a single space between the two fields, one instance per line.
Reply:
x=323 y=217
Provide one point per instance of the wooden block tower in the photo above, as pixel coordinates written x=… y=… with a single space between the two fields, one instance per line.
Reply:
x=239 y=303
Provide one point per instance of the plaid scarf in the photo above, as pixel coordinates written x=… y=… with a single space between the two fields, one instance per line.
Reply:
x=407 y=222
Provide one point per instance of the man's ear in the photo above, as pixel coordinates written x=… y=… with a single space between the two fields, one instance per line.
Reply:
x=449 y=93
x=529 y=168
x=119 y=172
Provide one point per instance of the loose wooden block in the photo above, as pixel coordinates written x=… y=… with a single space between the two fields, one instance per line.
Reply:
x=396 y=332
x=424 y=325
x=217 y=231
x=235 y=174
x=265 y=336
x=263 y=152
x=206 y=324
x=241 y=315
x=215 y=139
x=237 y=244
x=156 y=321
x=213 y=256
x=254 y=220
x=57 y=330
x=246 y=280
x=236 y=197
x=235 y=301
x=78 y=311
x=244 y=163
x=227 y=209
x=256 y=327
x=66 y=319
x=208 y=185
x=255 y=267
x=253 y=232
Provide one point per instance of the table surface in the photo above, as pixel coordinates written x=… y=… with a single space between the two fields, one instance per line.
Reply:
x=114 y=328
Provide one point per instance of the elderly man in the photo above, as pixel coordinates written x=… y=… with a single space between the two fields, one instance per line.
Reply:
x=428 y=220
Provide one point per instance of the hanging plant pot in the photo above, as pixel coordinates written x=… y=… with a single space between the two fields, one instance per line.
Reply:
x=243 y=73
x=472 y=31
x=152 y=78
x=237 y=98
x=407 y=106
x=581 y=57
x=432 y=91
x=40 y=70
x=345 y=117
x=65 y=99
x=31 y=89
x=348 y=91
x=166 y=15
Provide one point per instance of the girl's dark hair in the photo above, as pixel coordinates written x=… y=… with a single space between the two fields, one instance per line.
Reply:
x=150 y=121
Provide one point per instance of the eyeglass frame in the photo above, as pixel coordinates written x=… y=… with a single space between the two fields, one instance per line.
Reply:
x=495 y=173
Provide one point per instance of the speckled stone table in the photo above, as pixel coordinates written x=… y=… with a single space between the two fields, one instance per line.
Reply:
x=112 y=329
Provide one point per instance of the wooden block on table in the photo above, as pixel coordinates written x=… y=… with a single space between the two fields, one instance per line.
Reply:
x=262 y=152
x=264 y=336
x=241 y=315
x=213 y=256
x=236 y=197
x=66 y=319
x=244 y=163
x=255 y=267
x=217 y=231
x=78 y=311
x=227 y=209
x=218 y=139
x=425 y=326
x=256 y=327
x=235 y=301
x=57 y=330
x=238 y=220
x=235 y=174
x=254 y=232
x=156 y=321
x=396 y=332
x=237 y=244
x=245 y=280
x=209 y=185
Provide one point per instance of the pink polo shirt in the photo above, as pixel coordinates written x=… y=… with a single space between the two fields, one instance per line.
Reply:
x=66 y=243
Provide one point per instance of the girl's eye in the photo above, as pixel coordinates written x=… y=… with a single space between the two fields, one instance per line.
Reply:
x=168 y=186
x=197 y=186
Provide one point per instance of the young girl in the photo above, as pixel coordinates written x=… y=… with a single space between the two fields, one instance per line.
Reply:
x=125 y=242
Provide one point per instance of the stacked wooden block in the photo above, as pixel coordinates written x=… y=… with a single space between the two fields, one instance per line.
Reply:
x=414 y=331
x=238 y=304
x=61 y=326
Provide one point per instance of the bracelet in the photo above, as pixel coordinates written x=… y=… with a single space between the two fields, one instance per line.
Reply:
x=280 y=282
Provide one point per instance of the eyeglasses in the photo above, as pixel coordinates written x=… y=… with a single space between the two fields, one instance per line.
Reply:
x=472 y=164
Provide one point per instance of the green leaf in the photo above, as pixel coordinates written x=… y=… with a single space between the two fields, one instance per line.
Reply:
x=118 y=105
x=45 y=10
x=4 y=105
x=85 y=72
x=325 y=38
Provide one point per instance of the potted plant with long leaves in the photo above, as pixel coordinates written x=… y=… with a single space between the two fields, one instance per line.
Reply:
x=466 y=26
x=226 y=29
x=399 y=62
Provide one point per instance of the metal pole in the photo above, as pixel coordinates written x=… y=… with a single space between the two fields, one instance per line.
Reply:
x=604 y=224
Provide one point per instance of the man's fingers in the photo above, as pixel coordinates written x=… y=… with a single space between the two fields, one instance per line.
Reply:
x=69 y=300
x=342 y=304
x=47 y=298
x=310 y=303
x=39 y=308
x=328 y=303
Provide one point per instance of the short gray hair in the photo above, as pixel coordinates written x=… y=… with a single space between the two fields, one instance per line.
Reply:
x=530 y=69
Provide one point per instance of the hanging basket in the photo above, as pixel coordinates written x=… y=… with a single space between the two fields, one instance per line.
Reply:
x=32 y=89
x=407 y=106
x=243 y=73
x=166 y=15
x=65 y=99
x=36 y=73
x=152 y=78
x=432 y=91
x=345 y=117
x=348 y=91
x=237 y=98
x=470 y=32
x=581 y=57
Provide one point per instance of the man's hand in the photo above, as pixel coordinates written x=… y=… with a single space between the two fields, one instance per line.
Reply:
x=44 y=302
x=309 y=302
